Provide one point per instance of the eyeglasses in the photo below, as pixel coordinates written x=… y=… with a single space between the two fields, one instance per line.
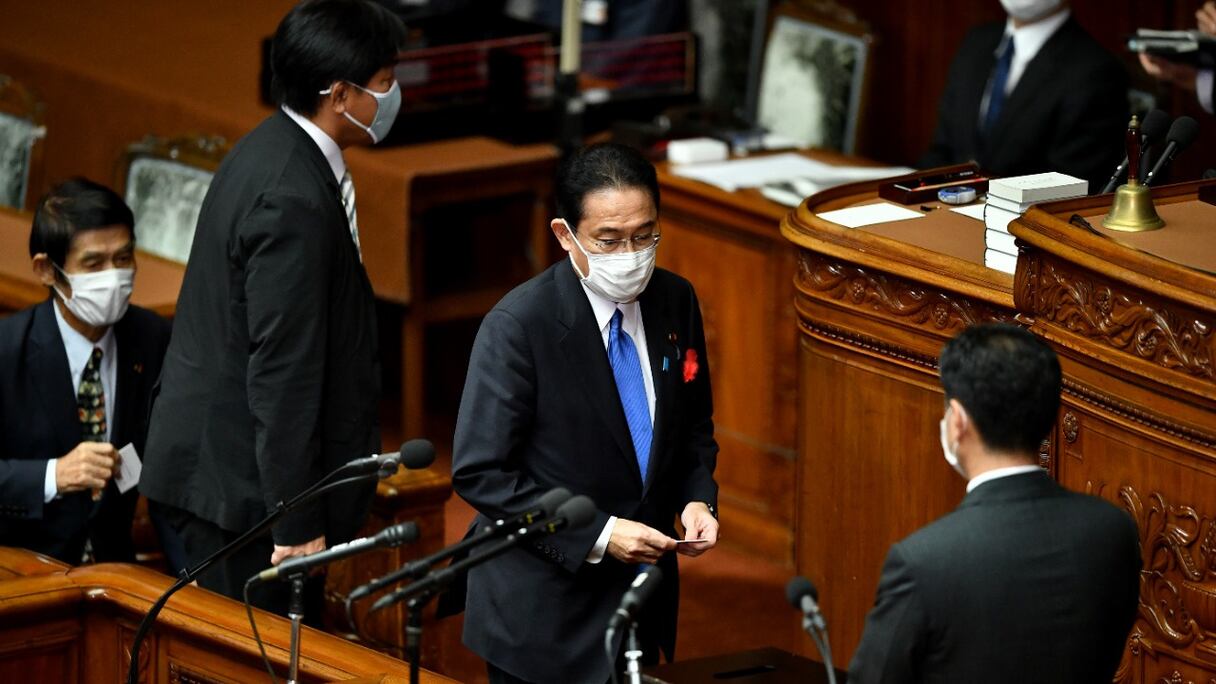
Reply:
x=640 y=242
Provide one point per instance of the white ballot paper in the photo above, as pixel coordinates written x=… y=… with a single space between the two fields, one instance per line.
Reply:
x=129 y=469
x=975 y=211
x=807 y=176
x=869 y=214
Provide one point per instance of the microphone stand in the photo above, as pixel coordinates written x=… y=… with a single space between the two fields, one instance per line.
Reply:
x=324 y=486
x=295 y=611
x=820 y=637
x=633 y=671
x=413 y=633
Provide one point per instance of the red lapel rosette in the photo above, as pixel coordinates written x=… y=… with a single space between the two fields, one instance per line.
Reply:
x=690 y=365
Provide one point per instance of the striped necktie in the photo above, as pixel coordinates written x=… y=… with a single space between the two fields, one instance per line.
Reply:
x=627 y=370
x=348 y=201
x=91 y=401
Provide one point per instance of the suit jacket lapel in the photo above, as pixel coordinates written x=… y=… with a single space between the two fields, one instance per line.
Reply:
x=49 y=364
x=583 y=346
x=1038 y=71
x=658 y=324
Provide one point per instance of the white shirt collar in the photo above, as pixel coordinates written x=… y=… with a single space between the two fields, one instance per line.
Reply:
x=998 y=473
x=79 y=347
x=1027 y=41
x=604 y=308
x=329 y=148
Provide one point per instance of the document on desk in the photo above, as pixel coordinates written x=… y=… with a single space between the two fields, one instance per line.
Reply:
x=975 y=211
x=869 y=214
x=805 y=176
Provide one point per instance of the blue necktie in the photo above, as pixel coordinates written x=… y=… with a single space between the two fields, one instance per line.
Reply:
x=996 y=90
x=627 y=370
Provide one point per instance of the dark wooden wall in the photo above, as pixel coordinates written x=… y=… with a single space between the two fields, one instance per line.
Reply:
x=916 y=39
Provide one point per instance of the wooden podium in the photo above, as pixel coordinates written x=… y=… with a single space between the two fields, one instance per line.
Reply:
x=1137 y=424
x=61 y=624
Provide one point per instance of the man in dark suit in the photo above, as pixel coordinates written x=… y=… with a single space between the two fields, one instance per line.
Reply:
x=1025 y=581
x=1202 y=81
x=591 y=376
x=1035 y=93
x=272 y=379
x=76 y=374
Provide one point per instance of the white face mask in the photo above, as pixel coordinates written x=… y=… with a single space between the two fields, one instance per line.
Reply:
x=99 y=299
x=1029 y=10
x=388 y=104
x=950 y=452
x=616 y=277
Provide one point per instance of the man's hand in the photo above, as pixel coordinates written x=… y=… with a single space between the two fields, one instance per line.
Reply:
x=1206 y=18
x=633 y=542
x=698 y=523
x=282 y=553
x=1180 y=75
x=89 y=466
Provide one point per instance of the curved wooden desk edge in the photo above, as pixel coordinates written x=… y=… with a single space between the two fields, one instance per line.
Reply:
x=1043 y=227
x=806 y=230
x=131 y=590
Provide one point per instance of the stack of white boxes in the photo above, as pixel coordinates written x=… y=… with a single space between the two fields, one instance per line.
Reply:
x=1008 y=199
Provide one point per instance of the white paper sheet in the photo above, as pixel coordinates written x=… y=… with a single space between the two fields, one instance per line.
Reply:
x=869 y=214
x=129 y=469
x=806 y=175
x=975 y=211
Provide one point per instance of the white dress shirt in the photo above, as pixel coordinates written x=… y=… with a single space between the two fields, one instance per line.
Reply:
x=78 y=349
x=631 y=323
x=998 y=473
x=1203 y=89
x=1027 y=41
x=329 y=148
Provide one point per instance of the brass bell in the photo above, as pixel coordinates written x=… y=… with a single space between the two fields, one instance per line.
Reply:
x=1133 y=210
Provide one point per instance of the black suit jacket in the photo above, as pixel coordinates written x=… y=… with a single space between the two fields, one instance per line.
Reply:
x=271 y=379
x=39 y=421
x=1068 y=112
x=540 y=409
x=1024 y=582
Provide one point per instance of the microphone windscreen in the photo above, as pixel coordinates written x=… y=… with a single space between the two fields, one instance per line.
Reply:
x=577 y=511
x=1183 y=132
x=1155 y=125
x=798 y=587
x=417 y=454
x=549 y=502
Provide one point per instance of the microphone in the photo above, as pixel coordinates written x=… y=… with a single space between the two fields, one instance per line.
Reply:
x=1152 y=130
x=1181 y=135
x=803 y=596
x=639 y=592
x=576 y=512
x=414 y=454
x=401 y=533
x=547 y=504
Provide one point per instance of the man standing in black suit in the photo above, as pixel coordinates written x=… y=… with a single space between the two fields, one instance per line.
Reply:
x=1025 y=581
x=76 y=374
x=591 y=376
x=1035 y=93
x=272 y=378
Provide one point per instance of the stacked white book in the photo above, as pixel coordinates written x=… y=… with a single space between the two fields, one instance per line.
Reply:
x=1008 y=199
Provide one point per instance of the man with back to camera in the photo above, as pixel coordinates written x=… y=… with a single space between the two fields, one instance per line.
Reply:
x=76 y=376
x=1025 y=581
x=1035 y=93
x=272 y=379
x=590 y=376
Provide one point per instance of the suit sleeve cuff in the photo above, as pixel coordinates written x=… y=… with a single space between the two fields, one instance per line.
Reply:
x=49 y=489
x=601 y=544
x=1203 y=88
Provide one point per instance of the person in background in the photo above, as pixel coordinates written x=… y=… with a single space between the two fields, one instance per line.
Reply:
x=1031 y=94
x=1202 y=82
x=1025 y=581
x=76 y=376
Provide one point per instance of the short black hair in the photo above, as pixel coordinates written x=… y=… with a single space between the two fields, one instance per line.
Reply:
x=1009 y=382
x=75 y=205
x=321 y=42
x=600 y=167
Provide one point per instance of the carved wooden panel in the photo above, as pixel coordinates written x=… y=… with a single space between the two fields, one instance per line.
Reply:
x=1167 y=334
x=180 y=674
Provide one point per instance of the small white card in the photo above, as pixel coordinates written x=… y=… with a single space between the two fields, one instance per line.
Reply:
x=129 y=469
x=869 y=214
x=975 y=211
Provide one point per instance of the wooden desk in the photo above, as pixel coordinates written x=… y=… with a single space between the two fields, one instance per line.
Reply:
x=76 y=625
x=1137 y=423
x=156 y=284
